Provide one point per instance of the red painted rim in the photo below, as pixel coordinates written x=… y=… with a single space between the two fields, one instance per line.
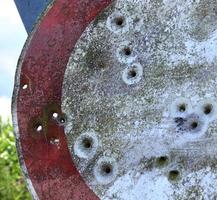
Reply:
x=48 y=167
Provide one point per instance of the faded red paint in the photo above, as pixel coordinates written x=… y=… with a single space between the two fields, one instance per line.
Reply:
x=50 y=166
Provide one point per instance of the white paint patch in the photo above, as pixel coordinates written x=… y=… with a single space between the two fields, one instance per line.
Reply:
x=147 y=186
x=202 y=52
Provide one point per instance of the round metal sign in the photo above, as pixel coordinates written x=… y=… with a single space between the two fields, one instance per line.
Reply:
x=117 y=100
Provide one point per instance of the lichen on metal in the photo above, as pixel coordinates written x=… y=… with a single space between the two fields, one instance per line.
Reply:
x=142 y=77
x=120 y=102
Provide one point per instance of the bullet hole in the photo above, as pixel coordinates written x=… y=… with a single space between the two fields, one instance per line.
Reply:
x=132 y=74
x=62 y=120
x=119 y=21
x=86 y=145
x=191 y=123
x=105 y=170
x=59 y=117
x=207 y=109
x=39 y=128
x=55 y=115
x=174 y=175
x=162 y=161
x=194 y=125
x=182 y=107
x=25 y=86
x=127 y=51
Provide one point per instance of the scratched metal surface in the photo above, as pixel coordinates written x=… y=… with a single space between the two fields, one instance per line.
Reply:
x=40 y=139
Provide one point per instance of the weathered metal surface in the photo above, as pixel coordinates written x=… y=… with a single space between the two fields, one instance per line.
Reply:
x=140 y=98
x=40 y=138
x=30 y=10
x=138 y=101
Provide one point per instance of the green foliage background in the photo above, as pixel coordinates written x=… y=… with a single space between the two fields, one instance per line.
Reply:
x=12 y=183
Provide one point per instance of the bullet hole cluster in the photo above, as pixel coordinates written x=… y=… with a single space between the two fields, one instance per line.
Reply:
x=132 y=74
x=172 y=173
x=85 y=147
x=193 y=120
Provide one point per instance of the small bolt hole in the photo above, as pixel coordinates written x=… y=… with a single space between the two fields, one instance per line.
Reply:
x=174 y=175
x=208 y=109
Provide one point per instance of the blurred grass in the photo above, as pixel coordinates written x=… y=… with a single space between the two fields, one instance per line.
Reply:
x=12 y=183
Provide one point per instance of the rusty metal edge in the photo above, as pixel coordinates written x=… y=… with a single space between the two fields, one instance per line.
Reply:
x=14 y=103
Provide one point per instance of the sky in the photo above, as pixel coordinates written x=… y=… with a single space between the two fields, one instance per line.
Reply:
x=12 y=39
